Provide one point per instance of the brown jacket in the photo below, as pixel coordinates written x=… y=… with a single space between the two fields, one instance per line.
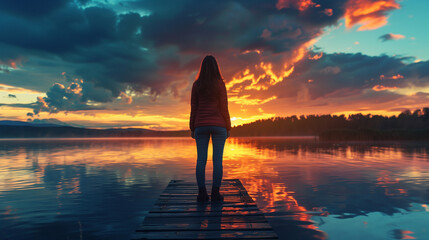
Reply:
x=209 y=112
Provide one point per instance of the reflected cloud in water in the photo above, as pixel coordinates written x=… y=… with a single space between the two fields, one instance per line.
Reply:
x=103 y=188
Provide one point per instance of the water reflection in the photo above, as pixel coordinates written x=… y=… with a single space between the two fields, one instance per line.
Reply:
x=101 y=189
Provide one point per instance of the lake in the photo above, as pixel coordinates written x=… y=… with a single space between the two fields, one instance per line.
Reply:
x=103 y=188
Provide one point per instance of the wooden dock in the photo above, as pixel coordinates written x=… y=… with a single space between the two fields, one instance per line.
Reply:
x=177 y=215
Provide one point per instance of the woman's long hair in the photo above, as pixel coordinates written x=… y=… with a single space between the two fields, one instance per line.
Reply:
x=208 y=77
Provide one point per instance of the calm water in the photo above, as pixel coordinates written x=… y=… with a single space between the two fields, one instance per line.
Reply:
x=103 y=188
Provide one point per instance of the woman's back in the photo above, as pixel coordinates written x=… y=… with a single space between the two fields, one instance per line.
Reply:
x=209 y=110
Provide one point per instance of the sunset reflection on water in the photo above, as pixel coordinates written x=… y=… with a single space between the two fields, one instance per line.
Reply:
x=307 y=189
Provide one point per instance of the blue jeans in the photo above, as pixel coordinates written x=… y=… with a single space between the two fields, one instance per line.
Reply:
x=202 y=137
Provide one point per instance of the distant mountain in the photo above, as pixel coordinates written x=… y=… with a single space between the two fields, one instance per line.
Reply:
x=17 y=129
x=55 y=121
x=48 y=122
x=28 y=124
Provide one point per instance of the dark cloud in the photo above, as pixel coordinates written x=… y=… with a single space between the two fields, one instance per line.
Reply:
x=31 y=9
x=218 y=25
x=390 y=36
x=12 y=96
x=63 y=31
x=5 y=70
x=64 y=98
x=342 y=75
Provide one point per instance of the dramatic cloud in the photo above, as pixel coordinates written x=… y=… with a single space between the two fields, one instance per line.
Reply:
x=148 y=45
x=351 y=82
x=369 y=14
x=336 y=75
x=61 y=98
x=95 y=53
x=391 y=36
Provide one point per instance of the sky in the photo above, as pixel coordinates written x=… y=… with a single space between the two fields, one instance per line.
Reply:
x=131 y=63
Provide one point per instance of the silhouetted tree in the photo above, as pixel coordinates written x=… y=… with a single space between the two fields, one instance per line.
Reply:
x=407 y=125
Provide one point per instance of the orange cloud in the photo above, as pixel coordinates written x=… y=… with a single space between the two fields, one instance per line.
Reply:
x=397 y=36
x=259 y=81
x=328 y=11
x=42 y=102
x=368 y=13
x=126 y=98
x=244 y=100
x=250 y=51
x=299 y=53
x=316 y=57
x=302 y=5
x=74 y=88
x=379 y=88
x=398 y=76
x=235 y=121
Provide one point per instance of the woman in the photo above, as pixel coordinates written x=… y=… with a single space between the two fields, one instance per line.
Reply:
x=209 y=117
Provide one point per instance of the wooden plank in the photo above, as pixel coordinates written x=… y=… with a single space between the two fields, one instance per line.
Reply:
x=177 y=215
x=196 y=204
x=193 y=194
x=244 y=226
x=198 y=220
x=194 y=186
x=191 y=202
x=227 y=199
x=209 y=214
x=195 y=191
x=223 y=234
x=237 y=206
x=196 y=209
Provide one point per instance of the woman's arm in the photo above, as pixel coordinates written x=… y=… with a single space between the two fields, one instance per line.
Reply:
x=224 y=106
x=194 y=106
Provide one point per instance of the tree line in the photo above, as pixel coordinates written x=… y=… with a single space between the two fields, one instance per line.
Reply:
x=406 y=125
x=409 y=125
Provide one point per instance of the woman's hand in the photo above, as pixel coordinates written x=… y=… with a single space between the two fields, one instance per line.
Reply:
x=193 y=134
x=228 y=134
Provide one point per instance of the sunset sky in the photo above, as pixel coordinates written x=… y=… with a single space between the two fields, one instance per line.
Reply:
x=131 y=63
